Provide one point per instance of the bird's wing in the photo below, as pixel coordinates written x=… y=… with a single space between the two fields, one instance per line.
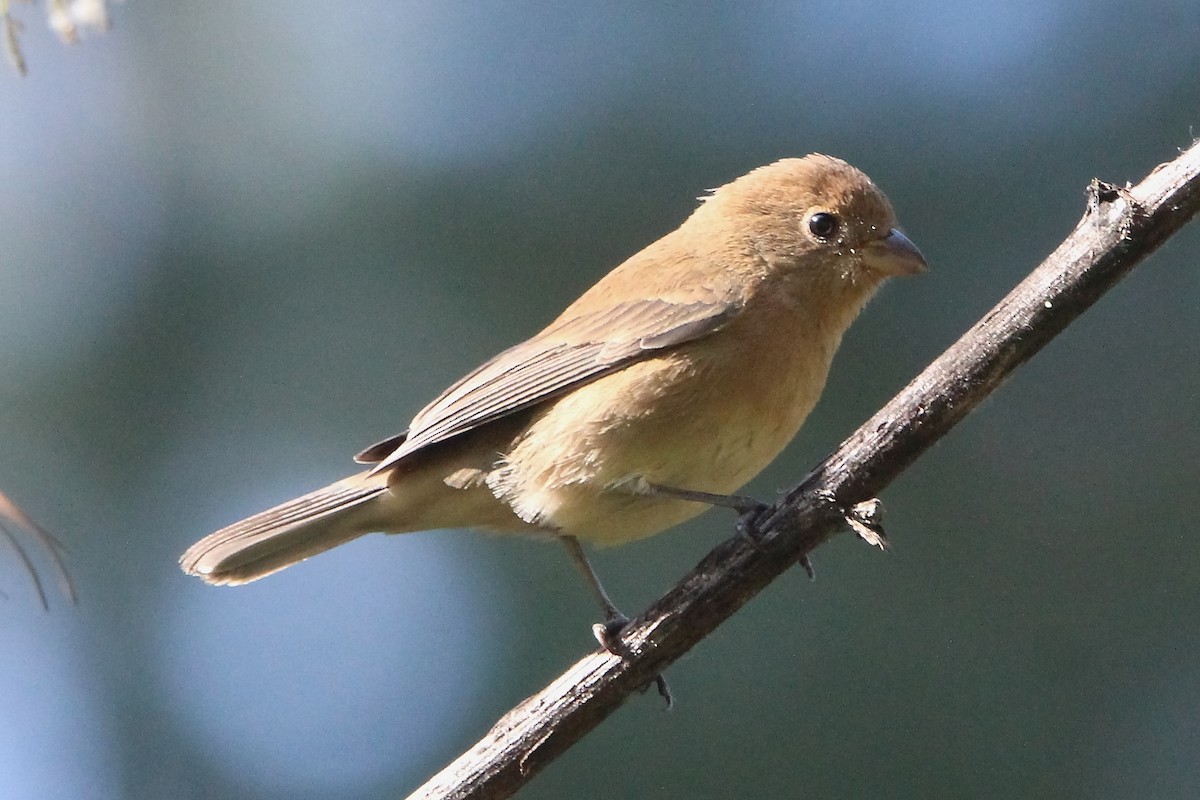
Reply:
x=381 y=450
x=557 y=360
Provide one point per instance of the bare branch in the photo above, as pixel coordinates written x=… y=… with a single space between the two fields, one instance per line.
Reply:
x=67 y=18
x=11 y=46
x=13 y=520
x=1119 y=228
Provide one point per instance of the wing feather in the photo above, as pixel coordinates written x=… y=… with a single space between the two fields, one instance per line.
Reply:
x=557 y=360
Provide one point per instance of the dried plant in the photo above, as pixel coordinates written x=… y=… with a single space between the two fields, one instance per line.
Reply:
x=67 y=18
x=15 y=523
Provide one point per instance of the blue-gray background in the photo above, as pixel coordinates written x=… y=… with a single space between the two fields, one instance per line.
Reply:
x=238 y=241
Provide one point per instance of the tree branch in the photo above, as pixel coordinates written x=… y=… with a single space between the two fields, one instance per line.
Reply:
x=1119 y=228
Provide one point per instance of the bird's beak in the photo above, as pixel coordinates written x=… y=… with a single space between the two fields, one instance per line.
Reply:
x=894 y=254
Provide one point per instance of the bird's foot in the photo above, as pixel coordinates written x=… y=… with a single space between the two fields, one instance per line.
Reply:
x=751 y=514
x=608 y=634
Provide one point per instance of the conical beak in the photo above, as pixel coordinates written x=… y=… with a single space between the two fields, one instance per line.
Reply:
x=894 y=254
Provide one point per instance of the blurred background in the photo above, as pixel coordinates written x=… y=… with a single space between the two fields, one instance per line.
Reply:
x=239 y=241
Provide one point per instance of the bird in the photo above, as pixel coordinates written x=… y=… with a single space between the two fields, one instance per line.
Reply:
x=659 y=392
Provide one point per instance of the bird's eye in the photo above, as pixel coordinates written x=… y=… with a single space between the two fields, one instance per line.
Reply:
x=823 y=225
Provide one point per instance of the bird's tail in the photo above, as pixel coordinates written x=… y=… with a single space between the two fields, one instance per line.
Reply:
x=279 y=537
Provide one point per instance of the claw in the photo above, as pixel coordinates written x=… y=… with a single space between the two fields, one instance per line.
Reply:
x=608 y=634
x=664 y=691
x=749 y=517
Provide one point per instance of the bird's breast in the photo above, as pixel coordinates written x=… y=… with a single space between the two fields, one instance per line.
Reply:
x=707 y=416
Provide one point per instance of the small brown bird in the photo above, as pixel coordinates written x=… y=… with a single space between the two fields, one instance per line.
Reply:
x=666 y=386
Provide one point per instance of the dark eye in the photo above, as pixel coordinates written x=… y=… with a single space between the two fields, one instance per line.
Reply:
x=823 y=225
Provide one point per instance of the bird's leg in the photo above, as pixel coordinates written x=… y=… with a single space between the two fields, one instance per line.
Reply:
x=614 y=619
x=608 y=633
x=750 y=511
x=738 y=502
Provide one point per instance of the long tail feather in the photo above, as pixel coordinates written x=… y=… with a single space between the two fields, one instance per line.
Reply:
x=298 y=529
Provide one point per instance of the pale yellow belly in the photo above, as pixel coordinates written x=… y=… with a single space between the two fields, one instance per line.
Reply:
x=710 y=426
